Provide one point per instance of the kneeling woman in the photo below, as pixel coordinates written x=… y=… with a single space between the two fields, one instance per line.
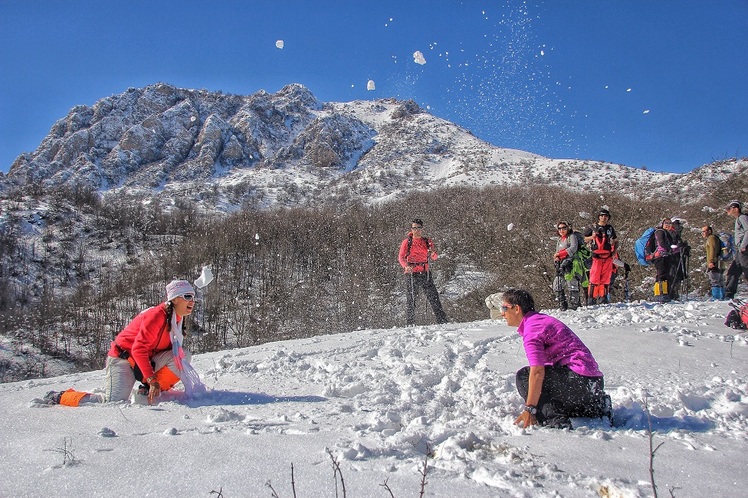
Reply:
x=149 y=350
x=563 y=379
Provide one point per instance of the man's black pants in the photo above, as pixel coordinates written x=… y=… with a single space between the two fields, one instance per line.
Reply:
x=422 y=280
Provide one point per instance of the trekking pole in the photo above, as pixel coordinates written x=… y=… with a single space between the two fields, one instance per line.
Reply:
x=560 y=290
x=428 y=266
x=684 y=268
x=684 y=259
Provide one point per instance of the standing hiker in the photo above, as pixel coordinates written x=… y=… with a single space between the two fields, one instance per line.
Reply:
x=149 y=350
x=714 y=270
x=603 y=241
x=739 y=265
x=571 y=272
x=661 y=260
x=680 y=253
x=415 y=253
x=563 y=379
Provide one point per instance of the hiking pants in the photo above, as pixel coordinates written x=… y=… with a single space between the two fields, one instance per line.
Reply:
x=422 y=280
x=716 y=277
x=662 y=265
x=738 y=267
x=601 y=271
x=573 y=285
x=564 y=394
x=120 y=378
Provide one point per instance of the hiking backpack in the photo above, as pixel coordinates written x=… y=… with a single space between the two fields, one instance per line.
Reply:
x=583 y=251
x=645 y=246
x=727 y=247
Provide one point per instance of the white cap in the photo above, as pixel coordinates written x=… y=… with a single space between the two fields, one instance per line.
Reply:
x=178 y=288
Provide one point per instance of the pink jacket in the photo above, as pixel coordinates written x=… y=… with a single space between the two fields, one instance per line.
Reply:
x=418 y=257
x=549 y=342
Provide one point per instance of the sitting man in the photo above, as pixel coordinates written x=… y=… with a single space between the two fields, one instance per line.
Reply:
x=563 y=379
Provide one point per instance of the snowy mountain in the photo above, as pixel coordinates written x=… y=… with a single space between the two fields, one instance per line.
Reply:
x=382 y=403
x=288 y=148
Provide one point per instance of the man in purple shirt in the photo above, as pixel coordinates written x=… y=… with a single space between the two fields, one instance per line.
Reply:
x=563 y=379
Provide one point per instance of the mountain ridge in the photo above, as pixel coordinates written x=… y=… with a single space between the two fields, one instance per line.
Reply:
x=225 y=151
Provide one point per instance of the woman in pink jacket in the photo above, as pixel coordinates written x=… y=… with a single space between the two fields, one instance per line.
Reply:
x=149 y=350
x=563 y=379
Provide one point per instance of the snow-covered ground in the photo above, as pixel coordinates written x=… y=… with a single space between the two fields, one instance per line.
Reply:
x=381 y=400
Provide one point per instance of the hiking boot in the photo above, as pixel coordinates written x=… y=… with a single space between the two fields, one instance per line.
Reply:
x=53 y=397
x=575 y=301
x=559 y=423
x=143 y=390
x=608 y=408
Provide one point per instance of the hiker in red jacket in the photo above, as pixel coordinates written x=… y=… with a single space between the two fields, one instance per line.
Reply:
x=415 y=253
x=149 y=350
x=603 y=244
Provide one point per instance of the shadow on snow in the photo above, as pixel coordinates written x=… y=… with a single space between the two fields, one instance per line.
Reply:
x=217 y=397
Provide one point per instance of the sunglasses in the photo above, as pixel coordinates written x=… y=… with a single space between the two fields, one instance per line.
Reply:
x=563 y=228
x=188 y=297
x=416 y=228
x=506 y=307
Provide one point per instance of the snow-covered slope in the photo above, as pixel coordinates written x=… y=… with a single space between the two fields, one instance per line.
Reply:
x=381 y=400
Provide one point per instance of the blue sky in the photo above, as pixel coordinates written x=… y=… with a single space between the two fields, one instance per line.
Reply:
x=657 y=84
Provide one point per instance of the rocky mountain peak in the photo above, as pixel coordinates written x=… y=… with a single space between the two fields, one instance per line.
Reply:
x=289 y=148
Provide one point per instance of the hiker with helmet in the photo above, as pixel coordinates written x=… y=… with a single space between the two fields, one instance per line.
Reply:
x=603 y=242
x=149 y=350
x=661 y=259
x=714 y=270
x=563 y=379
x=570 y=270
x=416 y=251
x=739 y=265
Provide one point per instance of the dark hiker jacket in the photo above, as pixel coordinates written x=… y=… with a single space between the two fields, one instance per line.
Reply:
x=603 y=241
x=663 y=241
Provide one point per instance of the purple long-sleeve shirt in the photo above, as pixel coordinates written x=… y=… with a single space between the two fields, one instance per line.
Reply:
x=549 y=342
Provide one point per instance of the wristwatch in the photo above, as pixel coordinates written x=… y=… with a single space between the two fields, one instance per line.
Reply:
x=531 y=409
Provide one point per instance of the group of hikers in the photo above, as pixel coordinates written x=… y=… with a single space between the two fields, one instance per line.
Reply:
x=562 y=380
x=587 y=265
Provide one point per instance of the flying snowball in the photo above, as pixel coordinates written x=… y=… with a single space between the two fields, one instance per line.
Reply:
x=370 y=85
x=418 y=57
x=510 y=227
x=279 y=44
x=646 y=111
